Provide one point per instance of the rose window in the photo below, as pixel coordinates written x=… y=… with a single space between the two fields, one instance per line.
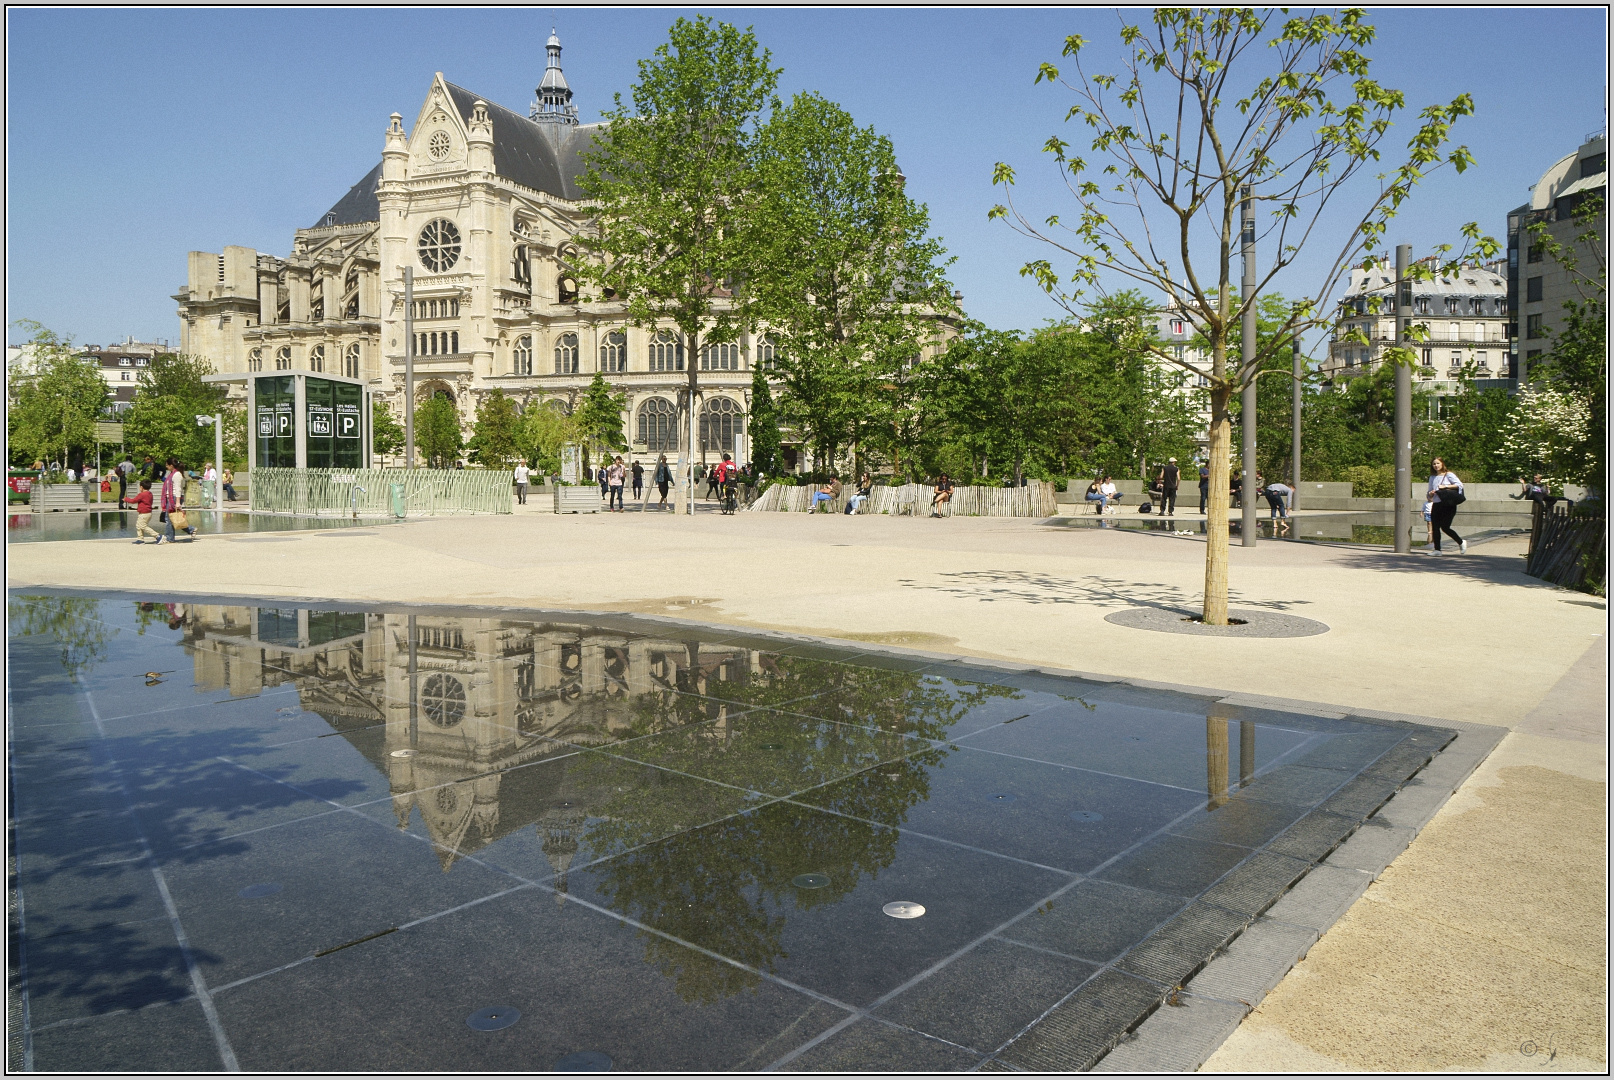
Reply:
x=439 y=245
x=443 y=699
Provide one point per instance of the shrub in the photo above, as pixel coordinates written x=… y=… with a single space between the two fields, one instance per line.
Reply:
x=1371 y=481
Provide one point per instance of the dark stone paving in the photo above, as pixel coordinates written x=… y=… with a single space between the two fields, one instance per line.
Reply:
x=326 y=841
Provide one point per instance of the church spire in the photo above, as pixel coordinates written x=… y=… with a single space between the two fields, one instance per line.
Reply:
x=554 y=104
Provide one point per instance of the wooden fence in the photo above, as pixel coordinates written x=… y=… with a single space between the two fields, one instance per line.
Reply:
x=1569 y=549
x=1036 y=499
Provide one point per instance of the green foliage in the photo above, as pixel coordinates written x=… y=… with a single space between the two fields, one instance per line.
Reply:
x=763 y=426
x=51 y=408
x=386 y=434
x=845 y=274
x=1370 y=481
x=599 y=415
x=162 y=420
x=495 y=436
x=437 y=431
x=545 y=429
x=75 y=625
x=1470 y=433
x=672 y=184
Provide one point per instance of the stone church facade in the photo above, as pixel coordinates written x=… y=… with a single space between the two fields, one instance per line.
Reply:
x=485 y=205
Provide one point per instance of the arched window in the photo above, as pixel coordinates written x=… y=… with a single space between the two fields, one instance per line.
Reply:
x=453 y=337
x=614 y=352
x=350 y=361
x=255 y=360
x=767 y=352
x=721 y=420
x=283 y=358
x=724 y=356
x=316 y=358
x=350 y=310
x=521 y=357
x=658 y=426
x=520 y=270
x=439 y=245
x=666 y=352
x=316 y=305
x=566 y=355
x=567 y=287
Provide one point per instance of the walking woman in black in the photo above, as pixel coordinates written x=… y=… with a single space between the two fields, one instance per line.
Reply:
x=1445 y=492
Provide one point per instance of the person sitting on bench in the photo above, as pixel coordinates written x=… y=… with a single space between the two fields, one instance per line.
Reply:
x=944 y=494
x=828 y=493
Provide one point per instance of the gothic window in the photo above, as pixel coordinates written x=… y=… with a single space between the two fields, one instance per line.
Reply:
x=283 y=358
x=439 y=146
x=523 y=357
x=721 y=357
x=614 y=352
x=255 y=360
x=566 y=355
x=721 y=420
x=351 y=309
x=351 y=282
x=658 y=426
x=350 y=361
x=519 y=268
x=316 y=306
x=439 y=245
x=767 y=352
x=316 y=358
x=666 y=352
x=442 y=698
x=567 y=286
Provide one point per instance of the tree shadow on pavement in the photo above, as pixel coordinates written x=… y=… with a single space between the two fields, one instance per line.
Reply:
x=1090 y=590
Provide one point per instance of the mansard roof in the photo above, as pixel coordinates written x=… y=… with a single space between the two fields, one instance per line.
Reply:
x=545 y=157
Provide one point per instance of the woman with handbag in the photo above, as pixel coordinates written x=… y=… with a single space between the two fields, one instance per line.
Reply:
x=1445 y=493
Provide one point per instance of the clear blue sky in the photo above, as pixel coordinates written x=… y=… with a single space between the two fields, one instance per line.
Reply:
x=138 y=135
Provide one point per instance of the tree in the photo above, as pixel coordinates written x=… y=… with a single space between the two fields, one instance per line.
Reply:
x=437 y=431
x=54 y=402
x=386 y=434
x=599 y=416
x=1469 y=432
x=495 y=436
x=545 y=429
x=1190 y=135
x=673 y=188
x=1547 y=433
x=763 y=426
x=843 y=270
x=162 y=420
x=1577 y=365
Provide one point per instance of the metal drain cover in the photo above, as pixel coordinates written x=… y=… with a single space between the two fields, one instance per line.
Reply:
x=904 y=909
x=493 y=1018
x=1086 y=815
x=405 y=753
x=584 y=1061
x=257 y=892
x=810 y=881
x=1002 y=798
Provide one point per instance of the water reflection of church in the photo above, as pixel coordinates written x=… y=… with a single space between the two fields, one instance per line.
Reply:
x=472 y=698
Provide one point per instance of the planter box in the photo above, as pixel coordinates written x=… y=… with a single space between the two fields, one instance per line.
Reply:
x=578 y=500
x=60 y=497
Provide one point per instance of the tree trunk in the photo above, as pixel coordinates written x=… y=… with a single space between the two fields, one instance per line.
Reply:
x=1216 y=508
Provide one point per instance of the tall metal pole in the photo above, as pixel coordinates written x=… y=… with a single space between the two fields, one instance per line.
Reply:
x=1403 y=405
x=1246 y=359
x=1294 y=426
x=218 y=461
x=409 y=367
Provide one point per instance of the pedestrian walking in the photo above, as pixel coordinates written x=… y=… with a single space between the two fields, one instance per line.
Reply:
x=1204 y=487
x=142 y=504
x=713 y=481
x=1445 y=493
x=614 y=475
x=662 y=479
x=123 y=485
x=638 y=480
x=523 y=478
x=1169 y=478
x=602 y=474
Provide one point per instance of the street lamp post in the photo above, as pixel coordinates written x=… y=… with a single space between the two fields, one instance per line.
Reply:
x=1246 y=358
x=217 y=420
x=409 y=367
x=1403 y=405
x=1294 y=425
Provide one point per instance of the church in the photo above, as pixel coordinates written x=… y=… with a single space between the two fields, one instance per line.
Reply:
x=485 y=205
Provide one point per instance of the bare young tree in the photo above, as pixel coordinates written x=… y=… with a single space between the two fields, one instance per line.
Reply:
x=1213 y=107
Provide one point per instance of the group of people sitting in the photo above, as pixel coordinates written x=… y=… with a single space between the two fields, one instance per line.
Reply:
x=831 y=490
x=1103 y=496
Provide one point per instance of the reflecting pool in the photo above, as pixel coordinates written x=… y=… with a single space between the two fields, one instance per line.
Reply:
x=120 y=524
x=287 y=838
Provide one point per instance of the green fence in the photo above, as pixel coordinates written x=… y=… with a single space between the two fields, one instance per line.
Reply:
x=368 y=492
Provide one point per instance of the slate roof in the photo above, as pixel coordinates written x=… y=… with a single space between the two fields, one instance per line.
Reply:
x=545 y=157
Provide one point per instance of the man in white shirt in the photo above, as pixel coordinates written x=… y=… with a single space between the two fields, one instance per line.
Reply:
x=522 y=477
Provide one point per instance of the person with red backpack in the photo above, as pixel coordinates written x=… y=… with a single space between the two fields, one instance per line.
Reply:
x=727 y=474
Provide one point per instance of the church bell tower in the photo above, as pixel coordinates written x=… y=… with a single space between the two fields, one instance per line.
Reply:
x=554 y=104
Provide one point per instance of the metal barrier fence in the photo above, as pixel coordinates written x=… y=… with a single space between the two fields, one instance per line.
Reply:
x=1036 y=499
x=368 y=492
